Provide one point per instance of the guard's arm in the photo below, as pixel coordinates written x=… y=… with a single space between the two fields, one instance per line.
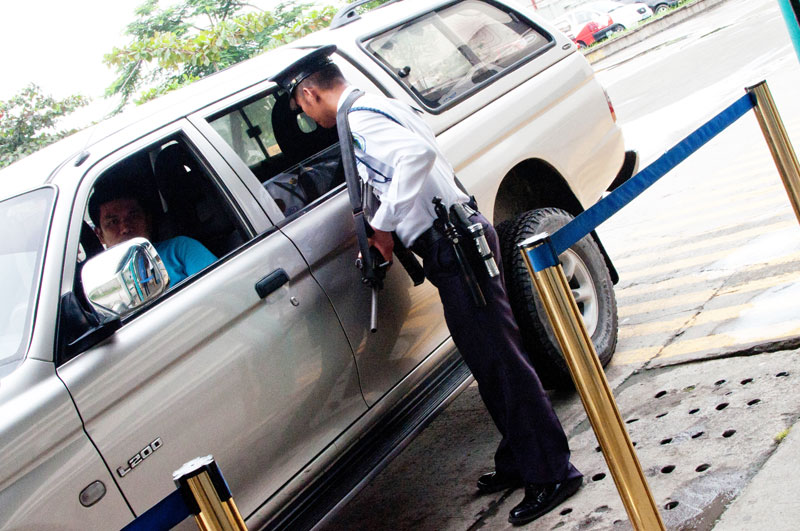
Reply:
x=384 y=243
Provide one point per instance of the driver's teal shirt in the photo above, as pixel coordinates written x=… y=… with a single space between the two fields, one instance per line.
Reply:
x=183 y=257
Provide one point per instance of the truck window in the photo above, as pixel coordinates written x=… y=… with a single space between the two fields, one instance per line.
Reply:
x=24 y=221
x=178 y=206
x=296 y=161
x=445 y=54
x=167 y=193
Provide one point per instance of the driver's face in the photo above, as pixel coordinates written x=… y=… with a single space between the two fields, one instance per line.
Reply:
x=121 y=220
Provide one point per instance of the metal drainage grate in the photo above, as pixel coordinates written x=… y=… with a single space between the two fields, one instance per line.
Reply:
x=701 y=431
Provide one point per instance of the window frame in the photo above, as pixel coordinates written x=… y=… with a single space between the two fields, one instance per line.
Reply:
x=224 y=180
x=209 y=171
x=551 y=43
x=202 y=121
x=241 y=105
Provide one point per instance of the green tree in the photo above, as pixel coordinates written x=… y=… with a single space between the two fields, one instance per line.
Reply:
x=368 y=5
x=186 y=41
x=29 y=122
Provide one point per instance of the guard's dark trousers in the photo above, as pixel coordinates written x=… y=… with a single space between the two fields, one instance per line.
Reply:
x=534 y=446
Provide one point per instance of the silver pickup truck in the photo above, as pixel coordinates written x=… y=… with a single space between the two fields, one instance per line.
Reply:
x=112 y=375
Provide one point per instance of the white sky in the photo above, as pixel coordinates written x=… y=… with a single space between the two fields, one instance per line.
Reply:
x=59 y=45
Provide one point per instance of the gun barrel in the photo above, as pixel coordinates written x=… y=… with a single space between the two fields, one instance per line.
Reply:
x=373 y=313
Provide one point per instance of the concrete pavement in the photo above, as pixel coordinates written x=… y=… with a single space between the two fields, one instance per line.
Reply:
x=771 y=500
x=706 y=435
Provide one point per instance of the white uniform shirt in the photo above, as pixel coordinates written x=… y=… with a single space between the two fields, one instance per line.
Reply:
x=403 y=164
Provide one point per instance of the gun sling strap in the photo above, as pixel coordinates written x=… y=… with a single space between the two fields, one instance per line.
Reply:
x=369 y=269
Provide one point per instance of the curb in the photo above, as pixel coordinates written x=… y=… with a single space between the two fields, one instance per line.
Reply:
x=776 y=483
x=648 y=29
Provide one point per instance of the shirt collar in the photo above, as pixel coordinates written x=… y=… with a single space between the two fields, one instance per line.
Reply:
x=346 y=92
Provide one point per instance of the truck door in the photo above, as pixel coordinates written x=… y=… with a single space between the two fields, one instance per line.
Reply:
x=262 y=381
x=298 y=166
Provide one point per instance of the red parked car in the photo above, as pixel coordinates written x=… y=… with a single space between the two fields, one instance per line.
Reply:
x=585 y=26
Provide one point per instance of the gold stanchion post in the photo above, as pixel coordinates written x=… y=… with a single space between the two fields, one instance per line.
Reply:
x=591 y=383
x=778 y=141
x=207 y=494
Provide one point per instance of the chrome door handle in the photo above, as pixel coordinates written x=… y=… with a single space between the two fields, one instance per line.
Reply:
x=271 y=282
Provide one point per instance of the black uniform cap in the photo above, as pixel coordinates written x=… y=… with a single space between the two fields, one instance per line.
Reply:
x=309 y=64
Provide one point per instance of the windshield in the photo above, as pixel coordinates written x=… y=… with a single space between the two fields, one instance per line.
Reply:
x=23 y=226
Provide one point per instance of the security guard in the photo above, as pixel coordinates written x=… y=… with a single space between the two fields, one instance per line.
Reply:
x=399 y=160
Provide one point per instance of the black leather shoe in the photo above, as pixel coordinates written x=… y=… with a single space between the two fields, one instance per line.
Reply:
x=497 y=481
x=541 y=499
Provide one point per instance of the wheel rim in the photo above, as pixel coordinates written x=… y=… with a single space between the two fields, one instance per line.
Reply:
x=582 y=287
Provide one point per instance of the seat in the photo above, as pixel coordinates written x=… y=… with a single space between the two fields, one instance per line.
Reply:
x=193 y=205
x=89 y=241
x=295 y=143
x=314 y=177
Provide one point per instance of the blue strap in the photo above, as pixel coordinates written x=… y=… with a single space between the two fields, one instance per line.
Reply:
x=385 y=171
x=377 y=167
x=587 y=221
x=384 y=113
x=165 y=515
x=544 y=255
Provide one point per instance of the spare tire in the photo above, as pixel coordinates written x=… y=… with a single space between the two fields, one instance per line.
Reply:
x=590 y=280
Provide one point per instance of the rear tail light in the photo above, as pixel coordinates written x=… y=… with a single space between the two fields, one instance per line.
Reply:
x=610 y=106
x=593 y=26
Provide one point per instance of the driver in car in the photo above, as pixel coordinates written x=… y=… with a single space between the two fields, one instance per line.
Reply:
x=119 y=213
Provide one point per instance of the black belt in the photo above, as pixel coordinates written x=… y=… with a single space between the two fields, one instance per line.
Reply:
x=425 y=241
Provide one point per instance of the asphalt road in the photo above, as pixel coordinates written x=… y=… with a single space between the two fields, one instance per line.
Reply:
x=663 y=87
x=708 y=256
x=708 y=261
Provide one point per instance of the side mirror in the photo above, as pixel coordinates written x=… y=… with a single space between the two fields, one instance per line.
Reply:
x=124 y=278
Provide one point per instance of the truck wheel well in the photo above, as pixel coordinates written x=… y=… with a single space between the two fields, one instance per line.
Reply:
x=533 y=184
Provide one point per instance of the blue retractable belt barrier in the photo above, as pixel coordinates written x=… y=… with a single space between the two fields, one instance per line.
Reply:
x=164 y=515
x=545 y=256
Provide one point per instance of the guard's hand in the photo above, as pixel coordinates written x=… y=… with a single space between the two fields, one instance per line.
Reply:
x=384 y=243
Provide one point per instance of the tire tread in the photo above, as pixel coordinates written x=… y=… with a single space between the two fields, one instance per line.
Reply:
x=538 y=338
